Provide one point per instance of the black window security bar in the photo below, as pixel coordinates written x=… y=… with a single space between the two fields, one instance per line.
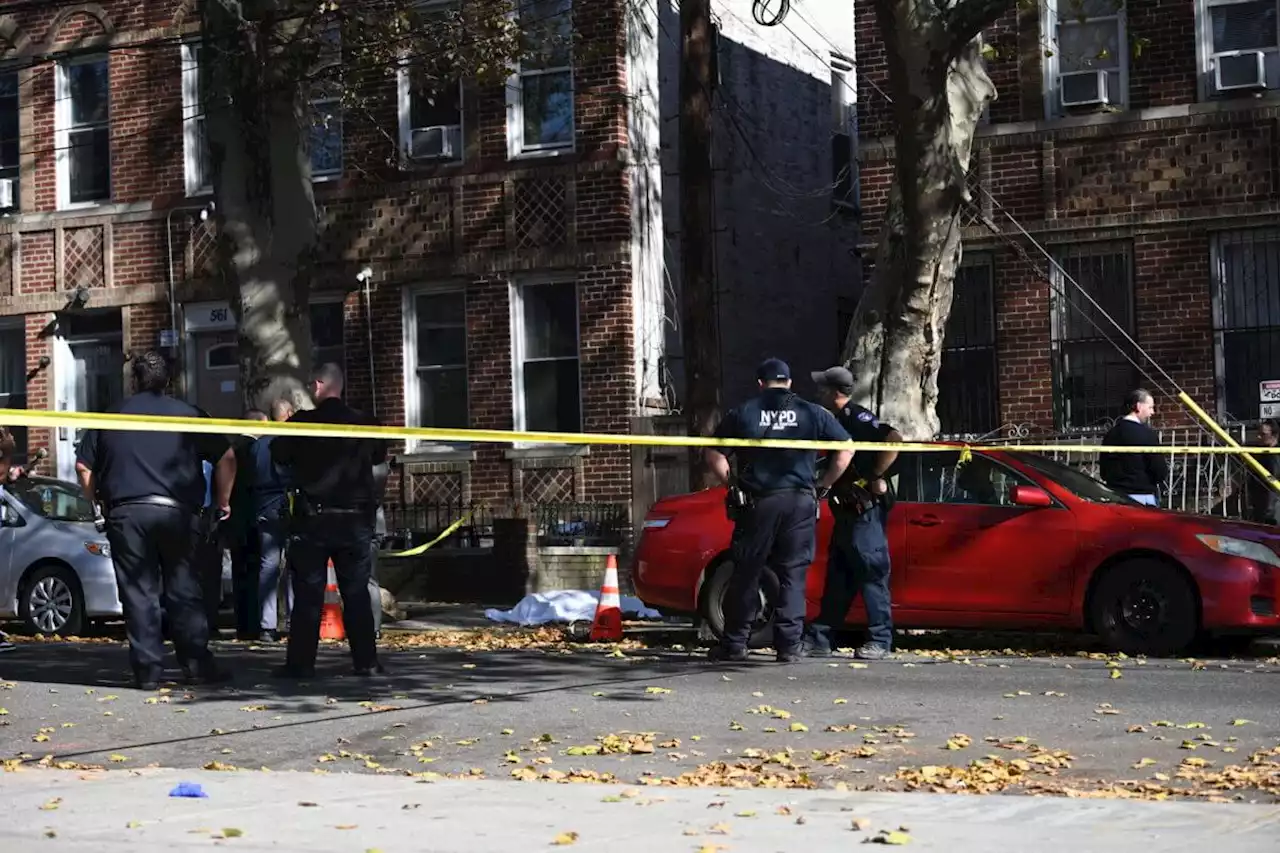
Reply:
x=1091 y=375
x=968 y=383
x=1245 y=271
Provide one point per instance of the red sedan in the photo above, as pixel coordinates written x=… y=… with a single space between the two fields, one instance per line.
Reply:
x=1006 y=540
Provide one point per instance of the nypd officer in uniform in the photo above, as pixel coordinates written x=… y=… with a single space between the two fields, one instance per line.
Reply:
x=335 y=502
x=150 y=486
x=774 y=507
x=858 y=556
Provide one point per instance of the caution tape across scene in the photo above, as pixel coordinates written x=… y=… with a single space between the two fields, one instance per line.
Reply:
x=155 y=423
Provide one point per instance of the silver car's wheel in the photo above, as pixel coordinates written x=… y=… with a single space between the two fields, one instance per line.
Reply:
x=51 y=602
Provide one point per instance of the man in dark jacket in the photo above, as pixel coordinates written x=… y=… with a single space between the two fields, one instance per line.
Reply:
x=1138 y=475
x=1263 y=502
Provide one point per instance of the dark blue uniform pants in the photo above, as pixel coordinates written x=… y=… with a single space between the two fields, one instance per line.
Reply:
x=778 y=532
x=857 y=562
x=347 y=539
x=152 y=549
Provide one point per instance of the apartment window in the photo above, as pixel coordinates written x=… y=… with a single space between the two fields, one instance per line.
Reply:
x=1239 y=45
x=83 y=131
x=325 y=136
x=327 y=343
x=968 y=389
x=13 y=378
x=545 y=334
x=1246 y=317
x=9 y=141
x=195 y=136
x=540 y=95
x=1087 y=55
x=1090 y=371
x=430 y=109
x=437 y=331
x=844 y=112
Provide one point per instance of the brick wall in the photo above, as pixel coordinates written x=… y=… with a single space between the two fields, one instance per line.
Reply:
x=1161 y=178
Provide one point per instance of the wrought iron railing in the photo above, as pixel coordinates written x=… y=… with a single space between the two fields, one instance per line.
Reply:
x=416 y=524
x=1205 y=483
x=582 y=524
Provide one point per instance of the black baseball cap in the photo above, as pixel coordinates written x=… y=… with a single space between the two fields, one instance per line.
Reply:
x=836 y=377
x=773 y=370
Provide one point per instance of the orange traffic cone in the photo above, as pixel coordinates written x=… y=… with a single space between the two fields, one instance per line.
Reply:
x=331 y=627
x=607 y=625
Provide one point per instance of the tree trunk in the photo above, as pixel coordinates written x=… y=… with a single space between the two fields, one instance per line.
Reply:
x=939 y=90
x=264 y=206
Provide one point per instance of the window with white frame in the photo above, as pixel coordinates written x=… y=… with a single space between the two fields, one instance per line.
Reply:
x=546 y=362
x=1239 y=45
x=10 y=147
x=1092 y=294
x=324 y=140
x=1086 y=56
x=327 y=343
x=1246 y=317
x=540 y=114
x=195 y=137
x=430 y=109
x=436 y=329
x=82 y=134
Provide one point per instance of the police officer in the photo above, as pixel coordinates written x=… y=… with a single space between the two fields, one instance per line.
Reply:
x=150 y=486
x=774 y=506
x=858 y=556
x=334 y=503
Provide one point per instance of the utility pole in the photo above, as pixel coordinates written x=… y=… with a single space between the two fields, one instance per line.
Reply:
x=701 y=328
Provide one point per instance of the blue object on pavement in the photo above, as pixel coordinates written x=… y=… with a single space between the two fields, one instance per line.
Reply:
x=188 y=789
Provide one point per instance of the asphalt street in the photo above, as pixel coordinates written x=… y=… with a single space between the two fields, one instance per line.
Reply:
x=666 y=717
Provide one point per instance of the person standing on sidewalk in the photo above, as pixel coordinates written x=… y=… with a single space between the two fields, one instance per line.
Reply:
x=240 y=536
x=8 y=473
x=858 y=555
x=774 y=508
x=150 y=486
x=334 y=506
x=271 y=511
x=1138 y=475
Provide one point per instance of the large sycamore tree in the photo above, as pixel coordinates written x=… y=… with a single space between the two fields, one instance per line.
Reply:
x=938 y=82
x=262 y=64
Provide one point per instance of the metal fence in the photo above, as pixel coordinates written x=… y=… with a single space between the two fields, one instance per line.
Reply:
x=1208 y=484
x=416 y=524
x=582 y=524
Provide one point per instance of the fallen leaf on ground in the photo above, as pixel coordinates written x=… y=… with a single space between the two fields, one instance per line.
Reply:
x=232 y=832
x=115 y=758
x=745 y=813
x=346 y=826
x=564 y=839
x=1115 y=673
x=892 y=837
x=306 y=805
x=133 y=824
x=720 y=829
x=1241 y=722
x=51 y=804
x=1144 y=762
x=861 y=824
x=799 y=727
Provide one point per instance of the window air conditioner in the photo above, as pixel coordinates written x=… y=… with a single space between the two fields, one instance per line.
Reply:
x=1242 y=69
x=1084 y=88
x=442 y=142
x=6 y=192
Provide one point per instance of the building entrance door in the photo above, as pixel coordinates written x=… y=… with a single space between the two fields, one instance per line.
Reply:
x=89 y=371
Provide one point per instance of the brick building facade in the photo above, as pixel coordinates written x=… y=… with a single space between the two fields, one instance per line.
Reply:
x=521 y=261
x=1137 y=142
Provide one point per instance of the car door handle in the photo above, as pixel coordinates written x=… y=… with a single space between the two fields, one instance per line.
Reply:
x=926 y=521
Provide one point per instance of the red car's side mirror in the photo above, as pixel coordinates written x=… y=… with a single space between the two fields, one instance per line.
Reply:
x=1030 y=496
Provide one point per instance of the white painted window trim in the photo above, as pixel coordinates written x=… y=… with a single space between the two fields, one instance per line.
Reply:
x=404 y=103
x=332 y=102
x=517 y=148
x=62 y=132
x=1049 y=36
x=1217 y=284
x=1204 y=48
x=412 y=397
x=193 y=121
x=516 y=300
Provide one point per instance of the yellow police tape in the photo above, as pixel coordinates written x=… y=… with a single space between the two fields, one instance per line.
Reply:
x=448 y=531
x=213 y=426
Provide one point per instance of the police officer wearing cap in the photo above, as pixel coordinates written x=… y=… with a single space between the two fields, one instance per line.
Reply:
x=773 y=503
x=150 y=487
x=335 y=501
x=858 y=556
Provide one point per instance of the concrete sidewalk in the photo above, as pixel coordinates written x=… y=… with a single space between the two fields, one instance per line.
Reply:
x=124 y=810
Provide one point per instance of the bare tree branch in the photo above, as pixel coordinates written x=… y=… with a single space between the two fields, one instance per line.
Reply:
x=967 y=18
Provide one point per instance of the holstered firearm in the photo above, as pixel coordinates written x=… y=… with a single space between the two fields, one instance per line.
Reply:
x=851 y=498
x=737 y=500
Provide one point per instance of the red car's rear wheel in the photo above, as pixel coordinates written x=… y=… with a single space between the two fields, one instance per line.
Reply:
x=1145 y=607
x=712 y=599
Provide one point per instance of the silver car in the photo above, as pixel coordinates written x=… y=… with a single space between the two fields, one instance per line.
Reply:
x=55 y=567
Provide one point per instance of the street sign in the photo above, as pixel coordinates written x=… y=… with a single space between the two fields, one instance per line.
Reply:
x=168 y=338
x=1270 y=410
x=1269 y=391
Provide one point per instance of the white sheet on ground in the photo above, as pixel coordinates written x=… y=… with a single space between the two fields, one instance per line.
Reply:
x=568 y=605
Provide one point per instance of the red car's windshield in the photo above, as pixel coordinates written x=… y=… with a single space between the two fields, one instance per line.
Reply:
x=1077 y=482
